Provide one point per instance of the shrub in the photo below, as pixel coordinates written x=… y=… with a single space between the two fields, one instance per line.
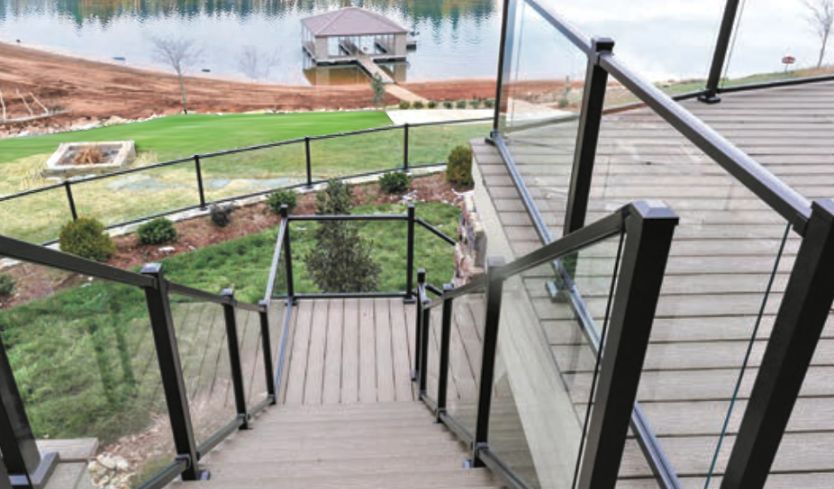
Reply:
x=158 y=231
x=86 y=238
x=419 y=104
x=6 y=285
x=282 y=197
x=563 y=102
x=475 y=103
x=432 y=104
x=405 y=105
x=341 y=260
x=461 y=104
x=394 y=182
x=221 y=215
x=378 y=87
x=459 y=166
x=447 y=104
x=489 y=103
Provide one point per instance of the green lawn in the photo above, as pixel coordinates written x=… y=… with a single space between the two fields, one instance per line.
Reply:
x=39 y=217
x=84 y=358
x=184 y=135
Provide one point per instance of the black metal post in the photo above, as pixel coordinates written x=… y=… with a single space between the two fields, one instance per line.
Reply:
x=418 y=326
x=494 y=290
x=234 y=356
x=170 y=367
x=285 y=213
x=5 y=480
x=405 y=147
x=796 y=331
x=198 y=168
x=504 y=59
x=21 y=457
x=409 y=256
x=445 y=338
x=309 y=162
x=590 y=118
x=425 y=329
x=266 y=344
x=649 y=231
x=719 y=56
x=70 y=200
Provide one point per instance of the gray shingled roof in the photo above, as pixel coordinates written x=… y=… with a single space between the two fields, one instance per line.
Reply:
x=351 y=21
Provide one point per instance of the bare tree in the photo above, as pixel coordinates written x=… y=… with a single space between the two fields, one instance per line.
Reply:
x=821 y=19
x=180 y=54
x=254 y=64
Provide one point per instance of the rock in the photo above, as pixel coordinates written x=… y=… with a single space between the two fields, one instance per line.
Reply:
x=167 y=250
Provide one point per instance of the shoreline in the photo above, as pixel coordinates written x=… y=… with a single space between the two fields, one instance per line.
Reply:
x=92 y=91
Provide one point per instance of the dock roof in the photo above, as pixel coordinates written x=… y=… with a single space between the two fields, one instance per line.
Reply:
x=351 y=21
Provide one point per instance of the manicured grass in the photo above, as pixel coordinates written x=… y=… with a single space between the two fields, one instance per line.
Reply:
x=183 y=135
x=84 y=358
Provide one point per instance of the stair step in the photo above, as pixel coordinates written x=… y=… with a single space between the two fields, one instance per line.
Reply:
x=342 y=466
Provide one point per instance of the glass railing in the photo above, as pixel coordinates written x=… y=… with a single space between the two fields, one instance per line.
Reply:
x=514 y=365
x=143 y=374
x=36 y=212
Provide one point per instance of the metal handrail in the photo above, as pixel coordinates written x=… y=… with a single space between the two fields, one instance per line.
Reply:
x=795 y=208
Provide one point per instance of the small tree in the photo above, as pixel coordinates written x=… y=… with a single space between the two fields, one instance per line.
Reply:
x=180 y=54
x=821 y=19
x=254 y=64
x=378 y=86
x=341 y=261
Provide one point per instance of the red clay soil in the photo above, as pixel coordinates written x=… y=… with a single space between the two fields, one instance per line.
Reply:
x=34 y=282
x=90 y=90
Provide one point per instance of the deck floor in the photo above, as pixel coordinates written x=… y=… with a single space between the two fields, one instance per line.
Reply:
x=724 y=252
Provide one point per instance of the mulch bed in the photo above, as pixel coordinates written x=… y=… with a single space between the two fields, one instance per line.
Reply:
x=34 y=282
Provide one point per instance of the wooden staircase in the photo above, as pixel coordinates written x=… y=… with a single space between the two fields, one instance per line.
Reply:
x=395 y=445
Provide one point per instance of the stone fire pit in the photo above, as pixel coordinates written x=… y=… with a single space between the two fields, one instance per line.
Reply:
x=84 y=158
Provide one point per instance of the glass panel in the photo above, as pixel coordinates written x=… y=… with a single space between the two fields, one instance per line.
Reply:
x=433 y=362
x=121 y=198
x=431 y=145
x=431 y=252
x=250 y=340
x=465 y=351
x=375 y=263
x=540 y=102
x=35 y=217
x=201 y=338
x=357 y=153
x=716 y=279
x=279 y=286
x=544 y=375
x=251 y=171
x=83 y=356
x=777 y=40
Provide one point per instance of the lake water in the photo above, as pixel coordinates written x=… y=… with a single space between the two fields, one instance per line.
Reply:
x=663 y=39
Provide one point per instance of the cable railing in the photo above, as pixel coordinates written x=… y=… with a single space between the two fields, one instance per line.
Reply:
x=496 y=387
x=201 y=406
x=197 y=182
x=552 y=153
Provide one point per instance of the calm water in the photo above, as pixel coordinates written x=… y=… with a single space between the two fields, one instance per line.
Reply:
x=664 y=39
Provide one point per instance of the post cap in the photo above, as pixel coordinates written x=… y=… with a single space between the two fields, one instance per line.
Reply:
x=600 y=44
x=152 y=268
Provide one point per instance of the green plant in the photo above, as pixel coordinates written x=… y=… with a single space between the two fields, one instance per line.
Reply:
x=394 y=182
x=378 y=86
x=419 y=104
x=6 y=285
x=405 y=105
x=282 y=197
x=475 y=103
x=432 y=104
x=447 y=104
x=460 y=104
x=341 y=259
x=221 y=215
x=489 y=103
x=158 y=231
x=86 y=238
x=459 y=166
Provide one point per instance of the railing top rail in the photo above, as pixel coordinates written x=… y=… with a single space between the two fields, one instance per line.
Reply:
x=23 y=251
x=348 y=217
x=573 y=34
x=795 y=208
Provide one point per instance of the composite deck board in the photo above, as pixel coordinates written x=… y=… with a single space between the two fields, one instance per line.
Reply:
x=724 y=252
